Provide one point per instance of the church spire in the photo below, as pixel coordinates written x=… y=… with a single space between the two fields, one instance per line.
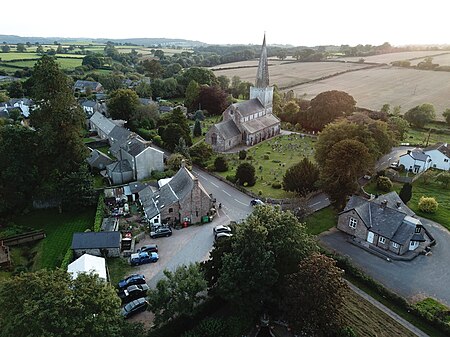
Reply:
x=262 y=76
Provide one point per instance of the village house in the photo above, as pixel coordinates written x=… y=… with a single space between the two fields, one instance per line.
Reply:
x=104 y=244
x=248 y=122
x=384 y=222
x=419 y=160
x=87 y=86
x=182 y=199
x=440 y=156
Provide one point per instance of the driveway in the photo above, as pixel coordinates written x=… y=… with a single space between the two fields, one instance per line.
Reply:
x=425 y=276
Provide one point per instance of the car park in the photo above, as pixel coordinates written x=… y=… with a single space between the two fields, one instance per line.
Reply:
x=220 y=236
x=221 y=229
x=134 y=307
x=133 y=292
x=152 y=248
x=255 y=202
x=160 y=232
x=143 y=257
x=131 y=280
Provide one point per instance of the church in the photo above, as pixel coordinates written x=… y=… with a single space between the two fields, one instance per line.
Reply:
x=248 y=122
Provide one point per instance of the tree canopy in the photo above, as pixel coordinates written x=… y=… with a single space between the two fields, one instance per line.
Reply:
x=123 y=104
x=420 y=115
x=213 y=99
x=245 y=174
x=302 y=177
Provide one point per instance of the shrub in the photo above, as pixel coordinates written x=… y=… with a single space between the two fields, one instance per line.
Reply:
x=231 y=178
x=221 y=164
x=242 y=154
x=157 y=140
x=266 y=157
x=245 y=173
x=276 y=185
x=67 y=258
x=99 y=213
x=384 y=183
x=428 y=204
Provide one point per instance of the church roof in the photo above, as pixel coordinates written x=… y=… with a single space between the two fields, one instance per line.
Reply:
x=248 y=107
x=228 y=129
x=260 y=123
x=262 y=75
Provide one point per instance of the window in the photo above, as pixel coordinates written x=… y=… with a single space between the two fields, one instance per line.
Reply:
x=196 y=213
x=170 y=210
x=352 y=223
x=382 y=239
x=417 y=229
x=395 y=245
x=445 y=160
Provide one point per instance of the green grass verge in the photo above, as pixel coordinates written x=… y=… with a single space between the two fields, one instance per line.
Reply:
x=321 y=221
x=282 y=152
x=58 y=229
x=118 y=269
x=433 y=308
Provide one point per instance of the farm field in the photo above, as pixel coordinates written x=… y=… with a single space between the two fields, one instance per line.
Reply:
x=442 y=60
x=65 y=63
x=288 y=74
x=388 y=58
x=374 y=87
x=16 y=56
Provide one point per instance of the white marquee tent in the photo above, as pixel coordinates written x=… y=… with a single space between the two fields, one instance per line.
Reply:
x=87 y=264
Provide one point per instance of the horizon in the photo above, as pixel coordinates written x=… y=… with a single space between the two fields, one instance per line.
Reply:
x=308 y=24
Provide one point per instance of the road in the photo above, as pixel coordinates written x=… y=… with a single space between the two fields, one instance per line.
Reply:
x=391 y=157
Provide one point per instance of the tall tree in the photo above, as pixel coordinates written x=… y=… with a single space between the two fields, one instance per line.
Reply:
x=191 y=95
x=15 y=89
x=197 y=128
x=90 y=306
x=123 y=104
x=446 y=114
x=420 y=115
x=302 y=177
x=245 y=174
x=314 y=292
x=406 y=192
x=213 y=99
x=179 y=293
x=201 y=153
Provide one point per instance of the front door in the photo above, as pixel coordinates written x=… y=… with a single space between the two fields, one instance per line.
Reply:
x=370 y=237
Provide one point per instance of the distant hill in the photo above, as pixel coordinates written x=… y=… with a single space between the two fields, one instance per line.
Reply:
x=13 y=39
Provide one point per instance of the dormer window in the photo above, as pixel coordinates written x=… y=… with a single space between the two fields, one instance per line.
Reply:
x=418 y=229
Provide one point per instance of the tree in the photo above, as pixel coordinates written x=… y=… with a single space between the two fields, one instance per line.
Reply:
x=199 y=75
x=446 y=114
x=281 y=54
x=182 y=148
x=346 y=161
x=224 y=82
x=93 y=60
x=386 y=108
x=406 y=193
x=428 y=204
x=444 y=179
x=191 y=96
x=178 y=294
x=245 y=174
x=201 y=153
x=221 y=164
x=197 y=128
x=213 y=99
x=384 y=183
x=302 y=177
x=420 y=115
x=242 y=154
x=21 y=48
x=15 y=89
x=123 y=104
x=152 y=68
x=315 y=291
x=3 y=97
x=6 y=48
x=399 y=126
x=90 y=305
x=427 y=176
x=40 y=50
x=328 y=106
x=159 y=54
x=175 y=160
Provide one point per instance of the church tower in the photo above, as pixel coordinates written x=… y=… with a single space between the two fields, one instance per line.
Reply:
x=262 y=91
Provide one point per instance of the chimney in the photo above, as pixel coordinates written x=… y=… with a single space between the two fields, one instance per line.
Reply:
x=383 y=204
x=183 y=163
x=409 y=151
x=399 y=204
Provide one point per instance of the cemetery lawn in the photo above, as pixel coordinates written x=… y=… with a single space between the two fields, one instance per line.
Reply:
x=271 y=159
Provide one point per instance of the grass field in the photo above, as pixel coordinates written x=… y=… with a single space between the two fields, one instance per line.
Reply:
x=321 y=221
x=64 y=63
x=16 y=56
x=282 y=152
x=388 y=58
x=118 y=268
x=419 y=137
x=58 y=229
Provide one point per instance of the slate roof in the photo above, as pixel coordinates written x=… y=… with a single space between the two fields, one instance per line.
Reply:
x=137 y=186
x=120 y=166
x=135 y=146
x=260 y=123
x=99 y=160
x=248 y=107
x=228 y=129
x=103 y=123
x=417 y=154
x=119 y=135
x=89 y=104
x=393 y=199
x=441 y=147
x=146 y=101
x=92 y=240
x=80 y=84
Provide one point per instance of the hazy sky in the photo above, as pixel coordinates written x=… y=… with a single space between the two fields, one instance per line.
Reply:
x=310 y=23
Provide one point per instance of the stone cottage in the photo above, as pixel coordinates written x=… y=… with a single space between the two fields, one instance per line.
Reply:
x=104 y=244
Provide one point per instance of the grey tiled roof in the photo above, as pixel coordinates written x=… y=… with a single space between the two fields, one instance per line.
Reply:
x=393 y=199
x=89 y=104
x=119 y=134
x=248 y=107
x=103 y=123
x=120 y=166
x=89 y=240
x=417 y=154
x=135 y=146
x=228 y=129
x=99 y=160
x=260 y=123
x=441 y=147
x=86 y=84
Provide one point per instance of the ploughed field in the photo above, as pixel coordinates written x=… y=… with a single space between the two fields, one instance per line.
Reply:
x=391 y=57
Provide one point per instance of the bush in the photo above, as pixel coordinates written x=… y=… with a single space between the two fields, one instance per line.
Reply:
x=67 y=259
x=231 y=179
x=428 y=204
x=157 y=140
x=99 y=213
x=276 y=185
x=242 y=154
x=384 y=183
x=158 y=175
x=221 y=164
x=245 y=173
x=266 y=157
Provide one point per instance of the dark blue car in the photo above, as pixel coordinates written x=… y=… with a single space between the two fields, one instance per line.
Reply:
x=143 y=257
x=131 y=280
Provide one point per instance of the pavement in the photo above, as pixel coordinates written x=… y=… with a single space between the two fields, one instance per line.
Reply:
x=425 y=276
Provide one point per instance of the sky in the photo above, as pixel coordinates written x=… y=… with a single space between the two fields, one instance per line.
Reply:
x=305 y=23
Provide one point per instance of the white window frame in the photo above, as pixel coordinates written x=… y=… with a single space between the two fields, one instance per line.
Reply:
x=395 y=244
x=352 y=223
x=382 y=239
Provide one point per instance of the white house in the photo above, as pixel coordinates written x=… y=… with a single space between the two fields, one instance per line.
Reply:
x=88 y=264
x=440 y=156
x=415 y=161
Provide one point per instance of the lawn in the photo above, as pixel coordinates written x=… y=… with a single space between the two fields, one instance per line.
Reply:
x=58 y=228
x=430 y=188
x=321 y=221
x=118 y=268
x=420 y=136
x=271 y=159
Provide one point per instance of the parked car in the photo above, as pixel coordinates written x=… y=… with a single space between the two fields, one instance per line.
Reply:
x=222 y=235
x=394 y=165
x=131 y=280
x=149 y=248
x=132 y=308
x=143 y=257
x=133 y=292
x=255 y=202
x=160 y=232
x=221 y=229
